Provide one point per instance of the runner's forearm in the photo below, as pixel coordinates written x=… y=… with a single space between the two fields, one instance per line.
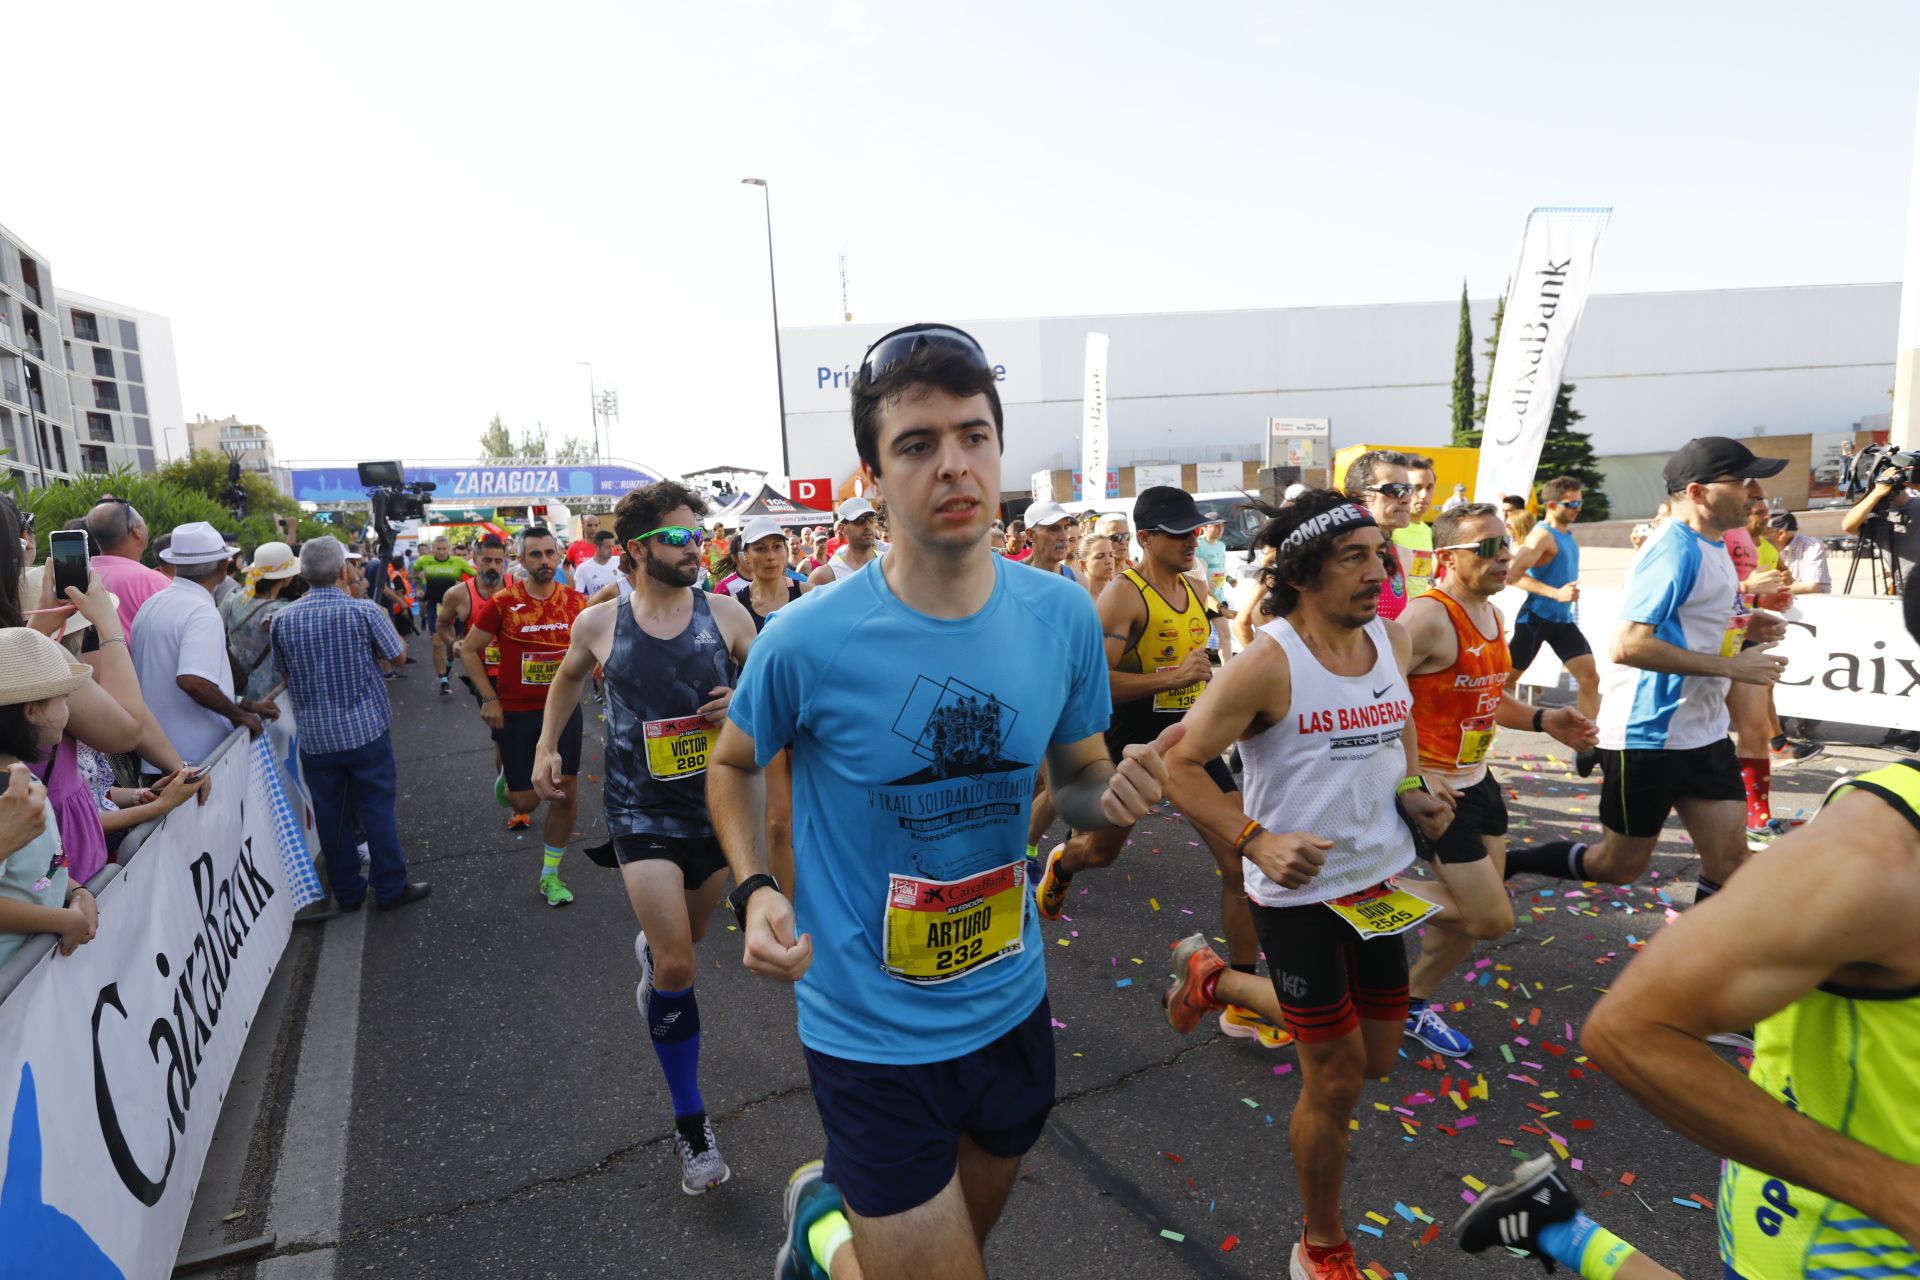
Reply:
x=1131 y=686
x=737 y=803
x=1686 y=1084
x=1651 y=654
x=1513 y=713
x=1078 y=800
x=1202 y=801
x=475 y=664
x=1531 y=585
x=563 y=695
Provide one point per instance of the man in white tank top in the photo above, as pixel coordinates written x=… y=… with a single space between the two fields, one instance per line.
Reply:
x=1320 y=708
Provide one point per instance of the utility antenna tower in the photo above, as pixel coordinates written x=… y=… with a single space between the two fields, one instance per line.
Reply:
x=844 y=308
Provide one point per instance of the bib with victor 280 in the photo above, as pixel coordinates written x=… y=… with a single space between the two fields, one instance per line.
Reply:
x=677 y=748
x=938 y=930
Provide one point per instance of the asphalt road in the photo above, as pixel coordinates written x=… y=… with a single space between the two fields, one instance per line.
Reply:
x=508 y=1118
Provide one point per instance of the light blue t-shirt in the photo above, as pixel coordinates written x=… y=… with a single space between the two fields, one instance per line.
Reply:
x=1557 y=572
x=1686 y=589
x=915 y=742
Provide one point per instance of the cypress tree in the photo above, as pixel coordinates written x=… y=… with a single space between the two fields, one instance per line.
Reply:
x=1463 y=401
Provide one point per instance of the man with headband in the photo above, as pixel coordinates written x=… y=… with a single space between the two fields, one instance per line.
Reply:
x=1320 y=708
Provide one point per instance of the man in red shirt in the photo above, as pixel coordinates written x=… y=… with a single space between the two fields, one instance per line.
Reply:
x=531 y=624
x=581 y=548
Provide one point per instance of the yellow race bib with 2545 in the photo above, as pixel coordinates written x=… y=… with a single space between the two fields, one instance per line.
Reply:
x=1382 y=911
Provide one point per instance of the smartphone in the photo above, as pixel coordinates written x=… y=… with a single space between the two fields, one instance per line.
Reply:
x=67 y=551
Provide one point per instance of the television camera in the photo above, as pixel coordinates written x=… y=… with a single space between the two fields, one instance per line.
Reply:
x=1882 y=464
x=393 y=498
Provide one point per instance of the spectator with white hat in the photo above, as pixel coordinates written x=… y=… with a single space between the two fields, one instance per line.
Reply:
x=182 y=655
x=860 y=526
x=271 y=582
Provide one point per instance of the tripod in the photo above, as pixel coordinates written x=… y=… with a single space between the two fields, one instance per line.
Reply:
x=1875 y=537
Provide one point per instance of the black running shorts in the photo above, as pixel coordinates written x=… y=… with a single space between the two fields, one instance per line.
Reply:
x=519 y=734
x=1479 y=810
x=697 y=857
x=1327 y=978
x=893 y=1132
x=1565 y=638
x=1642 y=785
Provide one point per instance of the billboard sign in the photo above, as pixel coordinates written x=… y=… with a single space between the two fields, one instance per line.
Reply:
x=522 y=483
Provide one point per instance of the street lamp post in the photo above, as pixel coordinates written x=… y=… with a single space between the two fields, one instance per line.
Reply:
x=593 y=398
x=780 y=376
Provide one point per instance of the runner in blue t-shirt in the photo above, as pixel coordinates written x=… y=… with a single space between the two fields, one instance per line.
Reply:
x=916 y=956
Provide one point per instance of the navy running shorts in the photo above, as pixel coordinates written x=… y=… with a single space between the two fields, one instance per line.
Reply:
x=893 y=1132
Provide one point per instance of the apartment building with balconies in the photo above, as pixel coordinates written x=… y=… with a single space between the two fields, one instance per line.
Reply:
x=37 y=444
x=122 y=382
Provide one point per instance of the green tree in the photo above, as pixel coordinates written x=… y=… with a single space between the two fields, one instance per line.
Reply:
x=206 y=474
x=533 y=444
x=1463 y=403
x=573 y=449
x=496 y=445
x=165 y=505
x=1566 y=451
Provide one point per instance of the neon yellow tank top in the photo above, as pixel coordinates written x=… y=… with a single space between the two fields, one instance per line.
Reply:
x=1170 y=635
x=1845 y=1057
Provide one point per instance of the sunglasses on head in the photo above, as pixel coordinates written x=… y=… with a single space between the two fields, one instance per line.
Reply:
x=674 y=535
x=1485 y=548
x=1391 y=490
x=890 y=349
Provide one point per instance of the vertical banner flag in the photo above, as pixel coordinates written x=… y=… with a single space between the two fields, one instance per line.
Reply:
x=1545 y=295
x=1905 y=424
x=1093 y=420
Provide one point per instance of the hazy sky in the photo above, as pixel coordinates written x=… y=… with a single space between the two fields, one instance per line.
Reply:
x=377 y=224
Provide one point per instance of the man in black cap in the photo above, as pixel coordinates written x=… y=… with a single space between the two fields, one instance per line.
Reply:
x=1685 y=635
x=1154 y=621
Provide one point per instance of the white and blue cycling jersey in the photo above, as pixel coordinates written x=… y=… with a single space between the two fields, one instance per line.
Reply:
x=1683 y=586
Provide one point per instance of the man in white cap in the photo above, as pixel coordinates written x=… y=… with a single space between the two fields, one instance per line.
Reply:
x=181 y=654
x=1050 y=531
x=860 y=526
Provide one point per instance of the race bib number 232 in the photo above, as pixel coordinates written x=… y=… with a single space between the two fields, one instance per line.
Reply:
x=938 y=930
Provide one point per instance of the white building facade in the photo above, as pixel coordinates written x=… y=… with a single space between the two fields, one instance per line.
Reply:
x=124 y=386
x=1653 y=369
x=37 y=445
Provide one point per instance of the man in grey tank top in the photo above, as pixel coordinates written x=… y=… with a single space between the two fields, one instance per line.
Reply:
x=1320 y=708
x=671 y=656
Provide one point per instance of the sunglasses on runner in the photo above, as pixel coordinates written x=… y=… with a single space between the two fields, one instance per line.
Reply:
x=1485 y=548
x=1575 y=503
x=890 y=349
x=1391 y=490
x=674 y=535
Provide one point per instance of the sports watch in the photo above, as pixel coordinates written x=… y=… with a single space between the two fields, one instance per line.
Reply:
x=746 y=889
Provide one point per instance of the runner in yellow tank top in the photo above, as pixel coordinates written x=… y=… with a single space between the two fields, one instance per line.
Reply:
x=1154 y=620
x=1821 y=1140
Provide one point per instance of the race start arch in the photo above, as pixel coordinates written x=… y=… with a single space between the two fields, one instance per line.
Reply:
x=332 y=484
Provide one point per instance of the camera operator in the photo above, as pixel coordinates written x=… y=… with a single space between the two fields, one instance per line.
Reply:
x=1892 y=495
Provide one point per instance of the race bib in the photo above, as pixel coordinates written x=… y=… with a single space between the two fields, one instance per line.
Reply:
x=537 y=669
x=1735 y=635
x=1382 y=911
x=490 y=657
x=677 y=748
x=938 y=930
x=1176 y=701
x=1420 y=568
x=1476 y=735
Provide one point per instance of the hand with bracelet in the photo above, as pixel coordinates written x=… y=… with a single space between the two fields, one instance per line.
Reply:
x=1290 y=860
x=490 y=711
x=1567 y=725
x=85 y=923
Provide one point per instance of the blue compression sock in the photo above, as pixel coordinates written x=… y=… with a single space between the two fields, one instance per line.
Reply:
x=673 y=1020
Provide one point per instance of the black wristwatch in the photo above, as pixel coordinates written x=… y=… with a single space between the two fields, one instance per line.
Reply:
x=1539 y=715
x=746 y=889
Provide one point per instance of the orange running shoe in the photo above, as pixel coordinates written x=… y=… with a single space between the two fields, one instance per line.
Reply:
x=1193 y=963
x=1339 y=1265
x=1050 y=892
x=519 y=822
x=1245 y=1024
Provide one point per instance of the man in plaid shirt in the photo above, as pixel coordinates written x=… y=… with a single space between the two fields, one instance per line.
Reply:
x=327 y=645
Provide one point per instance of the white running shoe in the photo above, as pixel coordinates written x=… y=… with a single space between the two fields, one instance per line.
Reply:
x=644 y=955
x=700 y=1171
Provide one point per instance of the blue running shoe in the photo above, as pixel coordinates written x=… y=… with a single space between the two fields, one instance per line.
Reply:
x=810 y=1197
x=1427 y=1026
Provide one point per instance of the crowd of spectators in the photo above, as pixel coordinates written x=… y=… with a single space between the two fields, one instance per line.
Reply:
x=113 y=697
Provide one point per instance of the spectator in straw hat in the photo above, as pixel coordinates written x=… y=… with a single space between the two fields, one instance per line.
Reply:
x=270 y=581
x=37 y=895
x=182 y=652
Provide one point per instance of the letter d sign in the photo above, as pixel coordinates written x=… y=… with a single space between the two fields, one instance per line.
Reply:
x=812 y=493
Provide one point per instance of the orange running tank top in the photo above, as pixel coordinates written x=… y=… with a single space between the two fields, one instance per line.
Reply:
x=1453 y=709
